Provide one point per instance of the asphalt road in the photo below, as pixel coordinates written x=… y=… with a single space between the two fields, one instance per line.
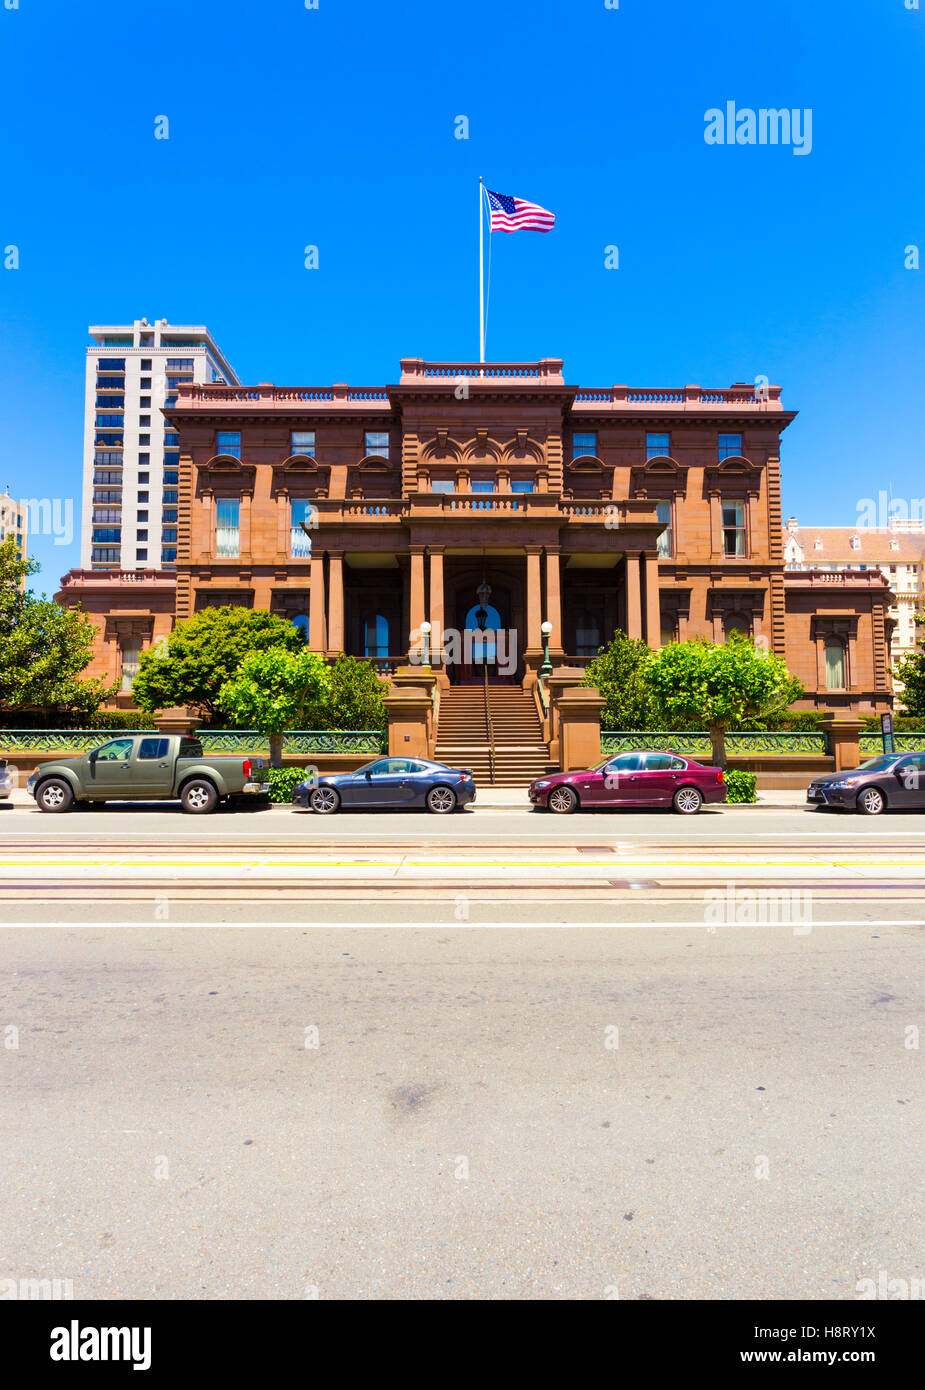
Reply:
x=469 y=1123
x=167 y=824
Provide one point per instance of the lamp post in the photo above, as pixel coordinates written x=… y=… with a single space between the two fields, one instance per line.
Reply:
x=546 y=668
x=425 y=645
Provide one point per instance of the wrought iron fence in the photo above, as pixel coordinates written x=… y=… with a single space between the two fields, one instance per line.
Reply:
x=299 y=741
x=694 y=744
x=872 y=744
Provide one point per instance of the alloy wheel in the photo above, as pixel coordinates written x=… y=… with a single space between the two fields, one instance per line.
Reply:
x=871 y=801
x=440 y=800
x=562 y=800
x=324 y=800
x=687 y=801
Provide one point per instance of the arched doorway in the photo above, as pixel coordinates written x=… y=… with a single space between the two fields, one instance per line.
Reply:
x=486 y=609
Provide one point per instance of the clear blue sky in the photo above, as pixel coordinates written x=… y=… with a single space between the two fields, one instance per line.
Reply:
x=335 y=127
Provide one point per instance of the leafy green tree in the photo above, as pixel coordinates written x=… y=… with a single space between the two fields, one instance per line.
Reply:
x=353 y=699
x=272 y=690
x=620 y=673
x=911 y=671
x=43 y=647
x=720 y=685
x=205 y=651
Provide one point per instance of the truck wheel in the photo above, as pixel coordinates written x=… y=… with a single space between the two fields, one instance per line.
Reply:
x=55 y=795
x=199 y=797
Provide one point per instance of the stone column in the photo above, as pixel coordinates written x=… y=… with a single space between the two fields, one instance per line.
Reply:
x=436 y=607
x=653 y=607
x=245 y=524
x=534 y=600
x=553 y=599
x=633 y=596
x=418 y=595
x=317 y=622
x=335 y=601
x=843 y=737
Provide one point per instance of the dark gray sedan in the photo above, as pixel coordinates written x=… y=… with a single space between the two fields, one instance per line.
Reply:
x=389 y=782
x=894 y=781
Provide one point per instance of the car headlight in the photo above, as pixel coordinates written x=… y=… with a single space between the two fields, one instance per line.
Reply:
x=541 y=784
x=848 y=782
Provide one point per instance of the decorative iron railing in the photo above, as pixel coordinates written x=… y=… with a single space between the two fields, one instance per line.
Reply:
x=872 y=744
x=694 y=744
x=303 y=742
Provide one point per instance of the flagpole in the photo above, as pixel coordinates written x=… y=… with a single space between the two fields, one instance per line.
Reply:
x=481 y=275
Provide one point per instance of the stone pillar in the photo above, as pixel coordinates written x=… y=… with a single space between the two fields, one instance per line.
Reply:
x=410 y=707
x=534 y=600
x=436 y=601
x=317 y=623
x=843 y=737
x=633 y=596
x=562 y=679
x=335 y=602
x=653 y=607
x=418 y=594
x=245 y=525
x=554 y=600
x=580 y=727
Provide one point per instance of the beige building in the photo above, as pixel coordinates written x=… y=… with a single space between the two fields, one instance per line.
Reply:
x=14 y=521
x=897 y=551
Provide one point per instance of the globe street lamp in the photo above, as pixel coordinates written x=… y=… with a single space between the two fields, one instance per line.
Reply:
x=425 y=634
x=546 y=668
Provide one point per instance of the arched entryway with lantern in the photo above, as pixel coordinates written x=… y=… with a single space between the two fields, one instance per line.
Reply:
x=487 y=608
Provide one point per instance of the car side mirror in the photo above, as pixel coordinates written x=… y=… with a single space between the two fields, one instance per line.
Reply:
x=93 y=755
x=369 y=776
x=904 y=769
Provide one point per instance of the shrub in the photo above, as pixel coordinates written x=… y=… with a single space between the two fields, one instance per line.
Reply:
x=740 y=785
x=283 y=782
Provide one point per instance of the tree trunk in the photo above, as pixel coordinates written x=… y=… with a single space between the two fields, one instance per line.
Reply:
x=276 y=750
x=718 y=742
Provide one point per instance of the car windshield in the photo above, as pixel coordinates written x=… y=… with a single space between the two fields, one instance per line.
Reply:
x=877 y=764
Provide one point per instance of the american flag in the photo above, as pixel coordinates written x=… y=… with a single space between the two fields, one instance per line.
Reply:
x=516 y=215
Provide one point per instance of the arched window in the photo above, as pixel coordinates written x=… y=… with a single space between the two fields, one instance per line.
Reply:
x=301 y=622
x=834 y=664
x=483 y=647
x=587 y=635
x=376 y=636
x=736 y=622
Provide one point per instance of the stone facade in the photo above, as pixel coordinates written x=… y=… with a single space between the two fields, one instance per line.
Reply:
x=499 y=497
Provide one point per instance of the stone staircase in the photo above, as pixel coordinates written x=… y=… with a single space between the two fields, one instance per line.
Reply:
x=520 y=754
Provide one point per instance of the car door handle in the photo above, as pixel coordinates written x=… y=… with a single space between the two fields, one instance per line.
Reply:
x=163 y=764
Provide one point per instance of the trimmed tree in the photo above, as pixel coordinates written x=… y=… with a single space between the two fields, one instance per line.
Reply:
x=620 y=673
x=204 y=652
x=719 y=685
x=43 y=647
x=911 y=671
x=272 y=691
x=353 y=699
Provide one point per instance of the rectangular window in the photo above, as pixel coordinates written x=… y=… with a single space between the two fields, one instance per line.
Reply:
x=300 y=545
x=142 y=497
x=110 y=364
x=171 y=496
x=730 y=446
x=665 y=539
x=112 y=402
x=144 y=420
x=442 y=485
x=171 y=477
x=658 y=445
x=522 y=485
x=484 y=485
x=169 y=535
x=146 y=364
x=141 y=536
x=152 y=748
x=733 y=528
x=107 y=535
x=105 y=555
x=144 y=477
x=169 y=514
x=179 y=364
x=377 y=442
x=583 y=444
x=228 y=442
x=142 y=516
x=131 y=655
x=141 y=555
x=169 y=556
x=144 y=439
x=227 y=527
x=103 y=421
x=107 y=475
x=302 y=442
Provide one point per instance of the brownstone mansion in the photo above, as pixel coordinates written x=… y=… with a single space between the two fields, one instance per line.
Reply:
x=505 y=508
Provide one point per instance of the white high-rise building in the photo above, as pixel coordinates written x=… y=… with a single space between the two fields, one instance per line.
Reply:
x=131 y=461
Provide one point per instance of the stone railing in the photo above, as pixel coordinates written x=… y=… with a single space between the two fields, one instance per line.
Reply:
x=415 y=369
x=200 y=396
x=693 y=744
x=680 y=397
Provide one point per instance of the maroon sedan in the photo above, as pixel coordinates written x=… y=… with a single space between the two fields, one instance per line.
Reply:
x=632 y=779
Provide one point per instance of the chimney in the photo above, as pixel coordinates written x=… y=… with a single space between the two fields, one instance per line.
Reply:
x=792 y=524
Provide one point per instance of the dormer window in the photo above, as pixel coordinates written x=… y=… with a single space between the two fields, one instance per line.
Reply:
x=817 y=544
x=855 y=542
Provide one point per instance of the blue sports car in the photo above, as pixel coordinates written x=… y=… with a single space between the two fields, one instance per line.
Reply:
x=392 y=782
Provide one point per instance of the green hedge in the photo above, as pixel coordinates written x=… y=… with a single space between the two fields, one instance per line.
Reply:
x=283 y=782
x=740 y=786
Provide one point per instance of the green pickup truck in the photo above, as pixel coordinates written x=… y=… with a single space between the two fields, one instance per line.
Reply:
x=147 y=767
